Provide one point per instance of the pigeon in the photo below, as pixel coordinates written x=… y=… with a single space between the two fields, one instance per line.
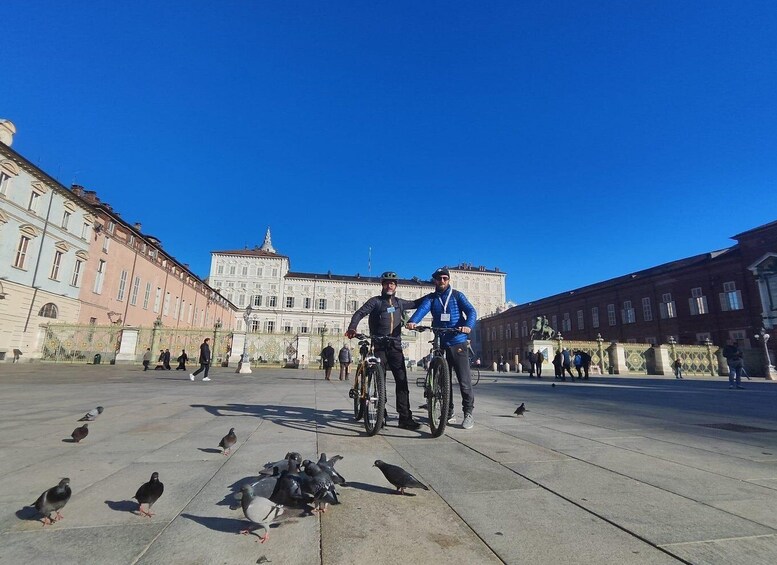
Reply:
x=285 y=463
x=53 y=500
x=520 y=410
x=259 y=510
x=398 y=477
x=148 y=494
x=80 y=433
x=288 y=490
x=228 y=441
x=91 y=416
x=328 y=466
x=319 y=485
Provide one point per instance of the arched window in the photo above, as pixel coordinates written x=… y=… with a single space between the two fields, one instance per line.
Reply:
x=49 y=311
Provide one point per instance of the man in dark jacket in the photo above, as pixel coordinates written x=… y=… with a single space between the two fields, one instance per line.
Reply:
x=328 y=360
x=385 y=319
x=733 y=355
x=204 y=361
x=345 y=361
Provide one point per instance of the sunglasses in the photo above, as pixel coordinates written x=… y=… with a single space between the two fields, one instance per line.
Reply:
x=443 y=278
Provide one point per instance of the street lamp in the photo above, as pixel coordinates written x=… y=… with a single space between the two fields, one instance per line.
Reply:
x=763 y=337
x=323 y=335
x=244 y=367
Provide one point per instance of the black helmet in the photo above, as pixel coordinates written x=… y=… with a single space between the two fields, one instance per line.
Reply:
x=440 y=272
x=389 y=276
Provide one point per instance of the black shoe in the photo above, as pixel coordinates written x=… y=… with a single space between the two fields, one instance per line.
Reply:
x=409 y=425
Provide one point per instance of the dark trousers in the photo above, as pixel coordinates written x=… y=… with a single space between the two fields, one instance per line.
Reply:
x=203 y=367
x=568 y=369
x=392 y=358
x=458 y=360
x=145 y=365
x=538 y=369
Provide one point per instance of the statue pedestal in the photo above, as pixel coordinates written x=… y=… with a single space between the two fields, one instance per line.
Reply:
x=548 y=349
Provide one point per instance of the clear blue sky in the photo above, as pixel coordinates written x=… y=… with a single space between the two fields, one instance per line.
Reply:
x=563 y=142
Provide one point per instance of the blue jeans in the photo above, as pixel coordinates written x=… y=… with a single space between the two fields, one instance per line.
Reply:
x=735 y=371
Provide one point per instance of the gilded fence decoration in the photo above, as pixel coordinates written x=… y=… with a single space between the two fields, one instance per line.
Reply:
x=592 y=348
x=636 y=357
x=70 y=343
x=696 y=359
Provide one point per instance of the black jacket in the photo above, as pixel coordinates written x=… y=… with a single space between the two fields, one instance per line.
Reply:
x=204 y=353
x=385 y=315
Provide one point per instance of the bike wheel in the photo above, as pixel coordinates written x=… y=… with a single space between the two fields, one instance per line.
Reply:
x=375 y=403
x=475 y=376
x=358 y=396
x=438 y=396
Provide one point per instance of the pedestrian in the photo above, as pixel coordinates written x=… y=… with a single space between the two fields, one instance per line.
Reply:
x=345 y=361
x=450 y=308
x=557 y=366
x=385 y=314
x=328 y=360
x=166 y=360
x=566 y=363
x=586 y=359
x=16 y=354
x=182 y=359
x=734 y=355
x=531 y=359
x=538 y=360
x=204 y=361
x=147 y=359
x=501 y=366
x=578 y=361
x=160 y=362
x=303 y=364
x=678 y=368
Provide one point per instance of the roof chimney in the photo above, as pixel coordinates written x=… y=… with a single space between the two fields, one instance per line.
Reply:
x=7 y=130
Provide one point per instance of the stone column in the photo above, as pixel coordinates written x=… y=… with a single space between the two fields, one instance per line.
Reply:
x=663 y=360
x=617 y=358
x=155 y=338
x=600 y=350
x=710 y=358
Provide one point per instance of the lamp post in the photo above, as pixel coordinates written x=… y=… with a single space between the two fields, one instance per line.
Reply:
x=600 y=351
x=244 y=367
x=323 y=335
x=769 y=371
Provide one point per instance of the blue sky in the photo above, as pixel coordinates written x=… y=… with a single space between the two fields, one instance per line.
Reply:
x=563 y=142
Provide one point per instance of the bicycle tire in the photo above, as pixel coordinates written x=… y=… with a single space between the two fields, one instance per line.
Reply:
x=358 y=394
x=475 y=376
x=438 y=396
x=375 y=402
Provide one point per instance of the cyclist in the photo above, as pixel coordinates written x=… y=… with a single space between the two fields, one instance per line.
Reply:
x=385 y=319
x=461 y=315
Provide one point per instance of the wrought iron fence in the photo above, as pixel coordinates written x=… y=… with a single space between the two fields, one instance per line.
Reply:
x=68 y=343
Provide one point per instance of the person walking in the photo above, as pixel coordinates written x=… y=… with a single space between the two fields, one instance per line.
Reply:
x=678 y=368
x=328 y=360
x=586 y=358
x=538 y=360
x=204 y=361
x=182 y=359
x=736 y=365
x=566 y=363
x=160 y=362
x=147 y=359
x=451 y=309
x=385 y=319
x=578 y=361
x=166 y=360
x=345 y=361
x=558 y=366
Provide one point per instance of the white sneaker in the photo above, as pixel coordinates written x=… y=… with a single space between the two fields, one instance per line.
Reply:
x=206 y=379
x=452 y=420
x=191 y=377
x=469 y=422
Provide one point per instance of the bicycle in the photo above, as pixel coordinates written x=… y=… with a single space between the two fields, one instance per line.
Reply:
x=369 y=388
x=473 y=369
x=436 y=383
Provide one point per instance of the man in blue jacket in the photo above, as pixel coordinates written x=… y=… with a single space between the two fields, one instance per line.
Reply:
x=451 y=309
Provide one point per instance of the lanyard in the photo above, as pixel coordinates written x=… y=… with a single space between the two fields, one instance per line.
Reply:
x=445 y=305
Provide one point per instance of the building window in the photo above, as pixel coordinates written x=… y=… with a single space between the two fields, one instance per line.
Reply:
x=508 y=332
x=122 y=286
x=157 y=300
x=221 y=269
x=566 y=323
x=702 y=337
x=627 y=314
x=244 y=270
x=272 y=301
x=254 y=326
x=135 y=290
x=697 y=302
x=289 y=302
x=166 y=306
x=275 y=272
x=85 y=230
x=307 y=303
x=554 y=321
x=111 y=227
x=147 y=296
x=232 y=269
x=730 y=298
x=647 y=311
x=65 y=219
x=611 y=314
x=5 y=182
x=353 y=305
x=303 y=329
x=176 y=308
x=106 y=243
x=740 y=336
x=287 y=328
x=269 y=326
x=21 y=252
x=524 y=329
x=241 y=300
x=667 y=307
x=55 y=265
x=595 y=317
x=49 y=311
x=75 y=279
x=257 y=300
x=99 y=277
x=322 y=303
x=32 y=206
x=651 y=340
x=580 y=320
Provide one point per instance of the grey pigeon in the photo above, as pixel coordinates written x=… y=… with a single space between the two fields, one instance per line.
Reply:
x=91 y=416
x=398 y=477
x=53 y=500
x=328 y=466
x=80 y=433
x=288 y=490
x=228 y=441
x=148 y=494
x=285 y=463
x=259 y=510
x=319 y=485
x=520 y=410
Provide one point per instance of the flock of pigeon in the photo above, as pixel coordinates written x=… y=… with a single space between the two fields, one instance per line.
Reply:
x=288 y=483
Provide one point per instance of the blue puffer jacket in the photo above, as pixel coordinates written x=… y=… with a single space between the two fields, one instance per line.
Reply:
x=461 y=310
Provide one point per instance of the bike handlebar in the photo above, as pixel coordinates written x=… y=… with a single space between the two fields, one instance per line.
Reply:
x=436 y=329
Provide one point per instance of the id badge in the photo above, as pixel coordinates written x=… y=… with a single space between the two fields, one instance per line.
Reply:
x=391 y=309
x=445 y=317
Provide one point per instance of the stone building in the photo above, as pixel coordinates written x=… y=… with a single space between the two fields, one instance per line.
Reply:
x=321 y=304
x=726 y=294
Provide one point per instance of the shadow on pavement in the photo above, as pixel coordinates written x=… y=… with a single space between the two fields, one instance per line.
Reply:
x=122 y=505
x=371 y=488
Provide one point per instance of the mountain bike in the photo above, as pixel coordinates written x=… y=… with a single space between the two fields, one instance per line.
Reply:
x=369 y=387
x=437 y=382
x=474 y=369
